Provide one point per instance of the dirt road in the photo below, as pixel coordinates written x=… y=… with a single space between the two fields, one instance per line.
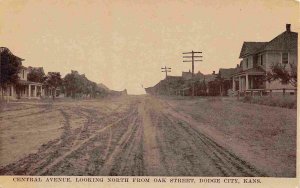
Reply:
x=129 y=136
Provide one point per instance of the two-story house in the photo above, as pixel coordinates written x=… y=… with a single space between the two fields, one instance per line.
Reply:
x=28 y=89
x=259 y=57
x=24 y=88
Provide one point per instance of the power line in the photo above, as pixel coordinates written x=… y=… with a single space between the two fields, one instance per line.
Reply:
x=192 y=58
x=166 y=70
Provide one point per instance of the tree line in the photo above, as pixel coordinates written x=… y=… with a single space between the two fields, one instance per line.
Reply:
x=73 y=84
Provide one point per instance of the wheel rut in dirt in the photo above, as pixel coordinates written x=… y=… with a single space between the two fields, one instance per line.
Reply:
x=138 y=138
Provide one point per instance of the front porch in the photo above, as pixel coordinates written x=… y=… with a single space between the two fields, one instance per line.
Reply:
x=249 y=80
x=30 y=90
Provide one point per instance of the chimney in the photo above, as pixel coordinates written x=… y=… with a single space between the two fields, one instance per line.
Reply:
x=214 y=72
x=288 y=27
x=237 y=65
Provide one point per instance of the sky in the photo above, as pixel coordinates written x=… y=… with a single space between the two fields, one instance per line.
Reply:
x=124 y=43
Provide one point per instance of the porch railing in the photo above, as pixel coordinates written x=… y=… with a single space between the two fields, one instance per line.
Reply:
x=251 y=92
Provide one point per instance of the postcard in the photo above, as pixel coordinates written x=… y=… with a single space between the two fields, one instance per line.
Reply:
x=136 y=93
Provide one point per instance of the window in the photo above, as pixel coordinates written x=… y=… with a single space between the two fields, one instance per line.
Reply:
x=285 y=58
x=23 y=74
x=261 y=60
x=247 y=63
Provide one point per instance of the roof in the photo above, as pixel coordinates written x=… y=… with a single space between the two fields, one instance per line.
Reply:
x=254 y=70
x=210 y=77
x=199 y=75
x=174 y=77
x=187 y=74
x=4 y=49
x=249 y=48
x=287 y=40
x=227 y=73
x=25 y=82
x=22 y=67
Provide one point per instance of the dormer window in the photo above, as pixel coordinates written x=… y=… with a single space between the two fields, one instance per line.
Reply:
x=285 y=58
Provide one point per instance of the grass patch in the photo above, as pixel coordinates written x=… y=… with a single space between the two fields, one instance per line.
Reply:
x=288 y=101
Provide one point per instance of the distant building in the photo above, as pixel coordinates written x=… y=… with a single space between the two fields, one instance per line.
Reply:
x=189 y=75
x=224 y=76
x=258 y=57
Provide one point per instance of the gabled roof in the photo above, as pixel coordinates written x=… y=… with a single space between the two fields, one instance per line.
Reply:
x=226 y=73
x=285 y=41
x=250 y=48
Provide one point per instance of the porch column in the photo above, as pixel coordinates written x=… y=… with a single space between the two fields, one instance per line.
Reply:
x=240 y=84
x=247 y=82
x=40 y=91
x=233 y=84
x=29 y=91
x=12 y=91
x=35 y=88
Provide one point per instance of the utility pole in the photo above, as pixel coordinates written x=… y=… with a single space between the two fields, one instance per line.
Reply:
x=166 y=70
x=192 y=57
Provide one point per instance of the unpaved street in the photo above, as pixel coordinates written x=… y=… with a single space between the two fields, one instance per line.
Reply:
x=132 y=135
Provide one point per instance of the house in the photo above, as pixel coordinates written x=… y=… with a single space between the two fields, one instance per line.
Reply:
x=24 y=88
x=224 y=76
x=258 y=58
x=28 y=89
x=189 y=75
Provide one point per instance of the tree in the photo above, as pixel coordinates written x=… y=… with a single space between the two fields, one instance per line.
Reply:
x=73 y=83
x=36 y=75
x=78 y=84
x=285 y=74
x=200 y=87
x=53 y=81
x=10 y=66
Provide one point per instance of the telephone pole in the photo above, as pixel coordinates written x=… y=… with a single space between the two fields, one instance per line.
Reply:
x=192 y=57
x=166 y=70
